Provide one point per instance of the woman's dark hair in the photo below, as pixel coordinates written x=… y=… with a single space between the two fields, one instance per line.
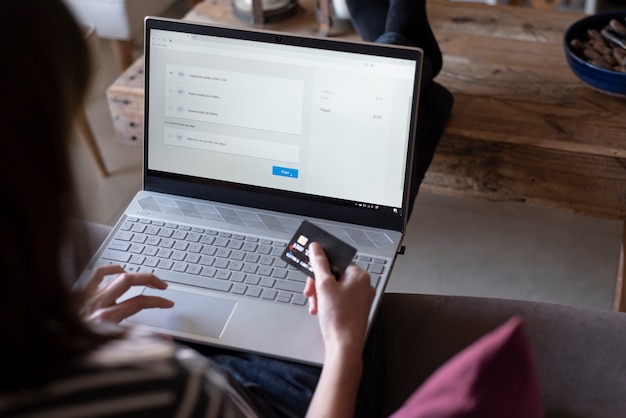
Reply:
x=44 y=77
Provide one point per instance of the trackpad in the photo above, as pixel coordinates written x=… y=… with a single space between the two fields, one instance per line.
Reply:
x=195 y=314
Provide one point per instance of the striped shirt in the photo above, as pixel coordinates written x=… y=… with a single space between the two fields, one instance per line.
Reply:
x=139 y=376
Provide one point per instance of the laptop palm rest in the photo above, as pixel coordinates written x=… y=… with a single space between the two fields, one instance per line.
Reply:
x=184 y=315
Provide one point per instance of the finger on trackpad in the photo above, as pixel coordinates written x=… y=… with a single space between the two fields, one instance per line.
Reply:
x=192 y=313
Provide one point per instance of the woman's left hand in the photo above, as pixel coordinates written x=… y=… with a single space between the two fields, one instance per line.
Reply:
x=99 y=302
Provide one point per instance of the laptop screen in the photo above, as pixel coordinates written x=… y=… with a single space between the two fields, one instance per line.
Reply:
x=240 y=116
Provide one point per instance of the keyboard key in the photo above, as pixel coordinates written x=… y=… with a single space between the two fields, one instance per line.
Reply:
x=253 y=279
x=254 y=292
x=295 y=275
x=151 y=262
x=235 y=245
x=181 y=245
x=208 y=271
x=221 y=263
x=153 y=241
x=223 y=252
x=136 y=248
x=267 y=282
x=152 y=230
x=265 y=270
x=194 y=269
x=284 y=297
x=165 y=253
x=192 y=258
x=179 y=235
x=116 y=255
x=195 y=248
x=235 y=265
x=237 y=277
x=178 y=255
x=250 y=268
x=124 y=236
x=119 y=245
x=299 y=300
x=239 y=289
x=140 y=238
x=166 y=264
x=264 y=249
x=207 y=260
x=223 y=275
x=193 y=237
x=279 y=273
x=150 y=250
x=249 y=246
x=295 y=287
x=221 y=242
x=167 y=243
x=207 y=240
x=376 y=268
x=137 y=259
x=166 y=232
x=180 y=267
x=139 y=228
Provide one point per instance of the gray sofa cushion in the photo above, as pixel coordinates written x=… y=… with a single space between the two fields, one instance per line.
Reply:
x=580 y=353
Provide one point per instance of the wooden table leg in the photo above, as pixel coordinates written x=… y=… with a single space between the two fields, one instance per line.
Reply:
x=324 y=18
x=620 y=287
x=258 y=14
x=123 y=52
x=86 y=134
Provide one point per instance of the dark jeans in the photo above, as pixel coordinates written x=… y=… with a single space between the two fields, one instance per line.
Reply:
x=282 y=389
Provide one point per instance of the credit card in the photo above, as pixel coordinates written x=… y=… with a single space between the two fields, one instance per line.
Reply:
x=339 y=253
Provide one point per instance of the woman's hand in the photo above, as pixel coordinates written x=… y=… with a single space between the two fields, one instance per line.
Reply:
x=342 y=306
x=99 y=302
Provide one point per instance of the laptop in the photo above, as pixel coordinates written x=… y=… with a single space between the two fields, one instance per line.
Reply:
x=247 y=134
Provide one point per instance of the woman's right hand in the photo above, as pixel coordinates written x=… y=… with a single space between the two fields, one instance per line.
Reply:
x=342 y=305
x=343 y=308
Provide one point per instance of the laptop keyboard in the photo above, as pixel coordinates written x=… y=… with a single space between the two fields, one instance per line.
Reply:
x=216 y=260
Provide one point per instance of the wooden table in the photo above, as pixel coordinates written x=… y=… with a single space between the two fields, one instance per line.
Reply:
x=523 y=127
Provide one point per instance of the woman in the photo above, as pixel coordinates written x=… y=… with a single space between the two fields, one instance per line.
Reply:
x=63 y=354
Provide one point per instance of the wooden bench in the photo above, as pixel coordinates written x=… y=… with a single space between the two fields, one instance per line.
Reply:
x=523 y=127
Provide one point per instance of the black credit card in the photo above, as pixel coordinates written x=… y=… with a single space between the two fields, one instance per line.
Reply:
x=339 y=253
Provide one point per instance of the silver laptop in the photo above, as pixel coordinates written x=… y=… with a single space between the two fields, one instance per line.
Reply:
x=247 y=133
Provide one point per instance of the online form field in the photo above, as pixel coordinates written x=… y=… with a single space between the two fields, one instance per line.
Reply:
x=232 y=98
x=232 y=145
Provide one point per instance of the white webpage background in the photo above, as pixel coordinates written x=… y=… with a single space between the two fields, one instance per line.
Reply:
x=229 y=110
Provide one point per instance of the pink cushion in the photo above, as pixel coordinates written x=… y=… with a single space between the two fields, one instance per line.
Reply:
x=494 y=377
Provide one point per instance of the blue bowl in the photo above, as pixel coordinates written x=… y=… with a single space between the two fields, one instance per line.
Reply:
x=606 y=81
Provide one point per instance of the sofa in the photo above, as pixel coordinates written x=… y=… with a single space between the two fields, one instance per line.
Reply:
x=579 y=354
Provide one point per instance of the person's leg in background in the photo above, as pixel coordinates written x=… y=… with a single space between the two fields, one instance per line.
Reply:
x=406 y=23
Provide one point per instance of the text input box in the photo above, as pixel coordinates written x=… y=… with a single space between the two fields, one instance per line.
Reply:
x=232 y=145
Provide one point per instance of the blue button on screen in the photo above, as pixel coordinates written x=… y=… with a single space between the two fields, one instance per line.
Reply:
x=285 y=172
